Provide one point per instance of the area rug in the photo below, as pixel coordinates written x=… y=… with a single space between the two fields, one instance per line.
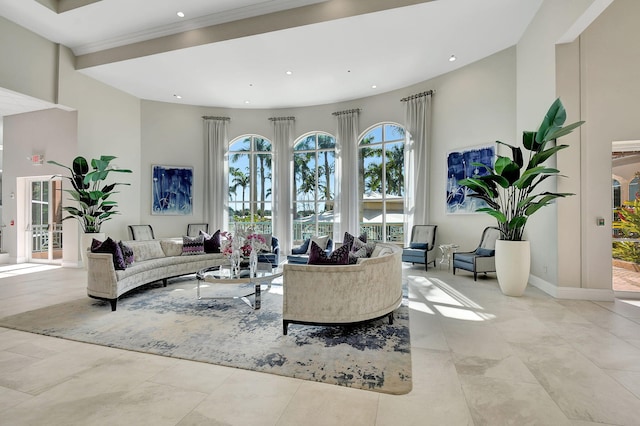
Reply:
x=170 y=321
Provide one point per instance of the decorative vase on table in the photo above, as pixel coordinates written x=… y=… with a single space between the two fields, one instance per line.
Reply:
x=513 y=263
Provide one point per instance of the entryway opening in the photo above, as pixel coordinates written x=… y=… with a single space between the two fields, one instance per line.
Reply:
x=625 y=201
x=43 y=233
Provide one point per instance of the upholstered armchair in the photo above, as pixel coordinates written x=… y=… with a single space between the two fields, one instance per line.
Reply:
x=273 y=256
x=141 y=232
x=193 y=229
x=421 y=247
x=299 y=254
x=482 y=259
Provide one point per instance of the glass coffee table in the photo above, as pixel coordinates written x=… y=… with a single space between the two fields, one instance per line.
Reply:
x=265 y=274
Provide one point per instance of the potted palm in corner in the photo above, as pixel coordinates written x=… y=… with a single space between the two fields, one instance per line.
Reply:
x=92 y=194
x=509 y=190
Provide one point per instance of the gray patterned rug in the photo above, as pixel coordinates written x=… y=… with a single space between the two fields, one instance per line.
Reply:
x=170 y=321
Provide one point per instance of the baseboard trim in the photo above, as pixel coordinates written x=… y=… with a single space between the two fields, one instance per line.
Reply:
x=573 y=293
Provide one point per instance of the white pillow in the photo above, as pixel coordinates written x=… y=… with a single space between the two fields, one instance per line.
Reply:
x=381 y=251
x=320 y=241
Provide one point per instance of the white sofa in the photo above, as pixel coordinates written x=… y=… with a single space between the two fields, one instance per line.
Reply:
x=155 y=260
x=343 y=294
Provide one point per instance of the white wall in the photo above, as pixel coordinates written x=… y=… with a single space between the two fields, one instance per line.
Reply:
x=29 y=62
x=536 y=90
x=50 y=132
x=474 y=105
x=108 y=124
x=609 y=62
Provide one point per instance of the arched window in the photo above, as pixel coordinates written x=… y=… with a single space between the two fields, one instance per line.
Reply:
x=381 y=171
x=313 y=185
x=634 y=189
x=250 y=183
x=615 y=191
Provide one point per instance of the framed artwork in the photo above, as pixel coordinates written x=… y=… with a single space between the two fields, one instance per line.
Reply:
x=171 y=188
x=459 y=167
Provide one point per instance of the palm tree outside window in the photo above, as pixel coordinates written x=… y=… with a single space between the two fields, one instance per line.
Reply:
x=250 y=178
x=313 y=185
x=381 y=173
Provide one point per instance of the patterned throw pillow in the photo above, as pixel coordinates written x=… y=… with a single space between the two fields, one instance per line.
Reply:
x=127 y=253
x=110 y=246
x=211 y=242
x=192 y=245
x=358 y=254
x=317 y=256
x=349 y=240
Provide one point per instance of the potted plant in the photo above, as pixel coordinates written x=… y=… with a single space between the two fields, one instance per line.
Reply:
x=91 y=192
x=510 y=190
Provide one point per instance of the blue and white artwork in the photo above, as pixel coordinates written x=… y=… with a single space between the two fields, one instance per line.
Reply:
x=459 y=166
x=171 y=190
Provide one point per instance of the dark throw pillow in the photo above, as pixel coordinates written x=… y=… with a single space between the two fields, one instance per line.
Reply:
x=485 y=252
x=192 y=245
x=110 y=246
x=211 y=242
x=317 y=256
x=349 y=239
x=127 y=253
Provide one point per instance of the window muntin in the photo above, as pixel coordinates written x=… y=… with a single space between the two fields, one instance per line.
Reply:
x=313 y=185
x=381 y=167
x=250 y=180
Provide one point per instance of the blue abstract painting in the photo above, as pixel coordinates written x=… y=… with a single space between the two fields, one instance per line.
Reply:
x=459 y=166
x=171 y=190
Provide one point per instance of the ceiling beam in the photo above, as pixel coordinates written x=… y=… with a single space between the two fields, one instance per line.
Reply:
x=61 y=6
x=290 y=18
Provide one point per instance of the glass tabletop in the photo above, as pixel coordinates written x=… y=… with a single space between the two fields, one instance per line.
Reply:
x=222 y=273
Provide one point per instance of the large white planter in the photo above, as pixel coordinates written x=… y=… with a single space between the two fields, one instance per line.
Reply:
x=513 y=264
x=85 y=244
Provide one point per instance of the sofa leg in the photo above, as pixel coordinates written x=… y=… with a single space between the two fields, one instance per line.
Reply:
x=285 y=326
x=454 y=270
x=390 y=318
x=113 y=304
x=164 y=282
x=475 y=276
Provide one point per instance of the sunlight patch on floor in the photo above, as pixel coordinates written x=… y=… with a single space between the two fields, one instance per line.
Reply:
x=7 y=271
x=445 y=300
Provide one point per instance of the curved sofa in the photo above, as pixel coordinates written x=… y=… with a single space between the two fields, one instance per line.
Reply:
x=154 y=260
x=343 y=294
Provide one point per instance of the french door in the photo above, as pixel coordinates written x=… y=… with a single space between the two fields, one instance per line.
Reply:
x=44 y=229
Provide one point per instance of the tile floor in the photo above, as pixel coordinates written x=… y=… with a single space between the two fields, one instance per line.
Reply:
x=479 y=358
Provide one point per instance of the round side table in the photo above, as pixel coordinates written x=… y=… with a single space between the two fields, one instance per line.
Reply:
x=447 y=252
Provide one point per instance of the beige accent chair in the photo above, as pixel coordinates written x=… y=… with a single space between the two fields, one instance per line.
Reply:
x=482 y=259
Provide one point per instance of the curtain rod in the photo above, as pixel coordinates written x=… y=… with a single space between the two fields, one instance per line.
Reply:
x=348 y=111
x=418 y=95
x=210 y=117
x=282 y=118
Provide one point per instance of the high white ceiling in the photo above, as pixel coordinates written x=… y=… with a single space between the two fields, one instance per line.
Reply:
x=331 y=61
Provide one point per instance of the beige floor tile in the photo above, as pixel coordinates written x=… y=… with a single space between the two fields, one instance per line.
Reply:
x=319 y=404
x=10 y=398
x=247 y=398
x=581 y=389
x=501 y=402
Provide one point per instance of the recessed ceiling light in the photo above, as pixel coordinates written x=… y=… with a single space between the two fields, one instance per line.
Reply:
x=374 y=86
x=452 y=58
x=177 y=96
x=180 y=14
x=247 y=102
x=289 y=73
